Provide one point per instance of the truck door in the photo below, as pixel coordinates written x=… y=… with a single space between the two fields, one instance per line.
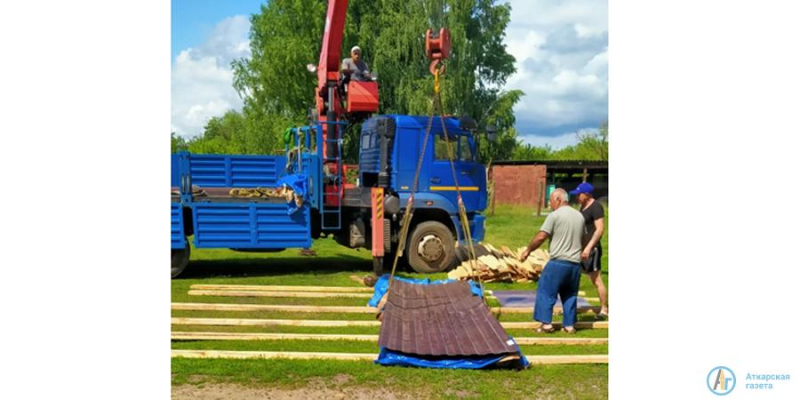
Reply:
x=470 y=173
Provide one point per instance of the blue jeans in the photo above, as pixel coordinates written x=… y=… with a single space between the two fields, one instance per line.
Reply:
x=558 y=278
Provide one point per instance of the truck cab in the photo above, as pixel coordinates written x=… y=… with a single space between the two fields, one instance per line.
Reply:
x=390 y=148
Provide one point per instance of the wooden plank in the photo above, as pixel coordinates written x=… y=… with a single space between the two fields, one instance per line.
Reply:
x=291 y=355
x=592 y=359
x=490 y=261
x=540 y=341
x=339 y=323
x=534 y=325
x=335 y=309
x=529 y=310
x=258 y=293
x=273 y=307
x=296 y=355
x=271 y=288
x=177 y=335
x=546 y=341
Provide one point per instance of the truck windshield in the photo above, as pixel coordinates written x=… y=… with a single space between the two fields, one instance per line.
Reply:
x=460 y=145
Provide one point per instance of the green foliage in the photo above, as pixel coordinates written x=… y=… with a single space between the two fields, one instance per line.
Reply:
x=501 y=115
x=284 y=38
x=238 y=133
x=286 y=35
x=178 y=143
x=527 y=152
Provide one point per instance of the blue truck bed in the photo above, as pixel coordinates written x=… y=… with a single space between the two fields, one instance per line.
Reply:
x=219 y=220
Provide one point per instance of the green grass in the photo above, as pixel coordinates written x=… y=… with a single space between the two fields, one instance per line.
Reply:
x=333 y=265
x=550 y=381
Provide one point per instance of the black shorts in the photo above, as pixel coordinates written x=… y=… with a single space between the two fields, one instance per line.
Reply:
x=593 y=262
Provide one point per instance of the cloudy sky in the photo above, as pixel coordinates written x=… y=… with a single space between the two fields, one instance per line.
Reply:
x=561 y=48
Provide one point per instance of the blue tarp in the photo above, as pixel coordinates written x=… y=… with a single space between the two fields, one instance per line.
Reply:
x=298 y=183
x=526 y=298
x=390 y=357
x=382 y=285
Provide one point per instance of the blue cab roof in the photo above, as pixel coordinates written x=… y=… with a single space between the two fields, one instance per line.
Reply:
x=421 y=122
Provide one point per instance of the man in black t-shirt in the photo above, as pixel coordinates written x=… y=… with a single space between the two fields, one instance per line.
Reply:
x=594 y=215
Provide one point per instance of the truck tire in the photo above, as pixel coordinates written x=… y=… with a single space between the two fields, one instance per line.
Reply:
x=180 y=259
x=431 y=248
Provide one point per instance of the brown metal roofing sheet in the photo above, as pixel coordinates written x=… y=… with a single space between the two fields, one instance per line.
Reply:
x=440 y=320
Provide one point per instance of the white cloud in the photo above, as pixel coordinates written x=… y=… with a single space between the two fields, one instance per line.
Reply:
x=202 y=79
x=561 y=51
x=556 y=142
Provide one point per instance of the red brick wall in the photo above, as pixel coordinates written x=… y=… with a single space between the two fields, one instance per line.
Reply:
x=518 y=184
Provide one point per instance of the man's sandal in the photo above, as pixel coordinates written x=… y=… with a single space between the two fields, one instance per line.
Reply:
x=570 y=331
x=542 y=329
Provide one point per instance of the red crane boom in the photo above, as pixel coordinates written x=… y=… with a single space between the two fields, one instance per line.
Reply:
x=359 y=98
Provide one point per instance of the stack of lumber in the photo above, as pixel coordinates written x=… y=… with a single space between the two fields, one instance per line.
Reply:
x=282 y=192
x=499 y=265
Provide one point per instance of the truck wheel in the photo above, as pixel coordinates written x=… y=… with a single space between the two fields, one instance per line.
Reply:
x=180 y=259
x=431 y=248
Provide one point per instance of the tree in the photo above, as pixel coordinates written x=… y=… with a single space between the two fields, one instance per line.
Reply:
x=286 y=34
x=591 y=146
x=284 y=38
x=178 y=143
x=238 y=133
x=596 y=142
x=528 y=152
x=501 y=115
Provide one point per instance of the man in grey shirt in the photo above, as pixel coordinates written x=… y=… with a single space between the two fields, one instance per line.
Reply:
x=354 y=67
x=561 y=276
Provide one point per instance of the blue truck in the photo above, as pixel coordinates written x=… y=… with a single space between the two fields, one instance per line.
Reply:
x=315 y=197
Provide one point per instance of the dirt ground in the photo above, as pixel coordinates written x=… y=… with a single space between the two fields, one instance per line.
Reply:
x=238 y=392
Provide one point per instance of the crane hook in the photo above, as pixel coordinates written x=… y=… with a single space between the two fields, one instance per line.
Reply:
x=437 y=47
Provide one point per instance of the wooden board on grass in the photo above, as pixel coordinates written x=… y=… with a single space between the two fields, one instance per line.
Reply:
x=273 y=307
x=289 y=355
x=273 y=288
x=334 y=309
x=537 y=341
x=339 y=323
x=258 y=293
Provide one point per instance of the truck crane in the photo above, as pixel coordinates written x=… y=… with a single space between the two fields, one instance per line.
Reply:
x=269 y=203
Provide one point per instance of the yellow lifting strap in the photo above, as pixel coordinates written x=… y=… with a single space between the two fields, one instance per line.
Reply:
x=436 y=105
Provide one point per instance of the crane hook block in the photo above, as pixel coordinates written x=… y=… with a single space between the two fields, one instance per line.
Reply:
x=437 y=47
